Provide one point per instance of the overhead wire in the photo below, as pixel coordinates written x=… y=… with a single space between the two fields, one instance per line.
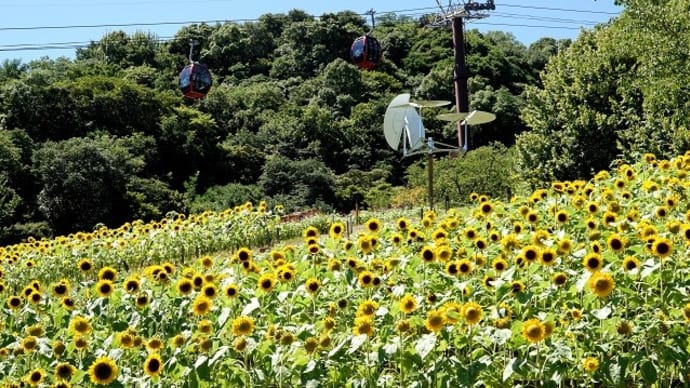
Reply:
x=410 y=12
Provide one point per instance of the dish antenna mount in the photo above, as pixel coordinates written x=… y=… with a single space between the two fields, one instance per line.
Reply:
x=403 y=124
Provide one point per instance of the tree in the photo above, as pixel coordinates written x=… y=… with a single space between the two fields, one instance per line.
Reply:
x=80 y=186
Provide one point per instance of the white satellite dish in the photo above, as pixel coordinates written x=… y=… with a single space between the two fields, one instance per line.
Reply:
x=403 y=123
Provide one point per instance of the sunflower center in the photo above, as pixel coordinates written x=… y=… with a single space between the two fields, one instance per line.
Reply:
x=154 y=365
x=103 y=371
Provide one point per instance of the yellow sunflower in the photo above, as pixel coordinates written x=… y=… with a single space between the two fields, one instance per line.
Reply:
x=266 y=282
x=435 y=320
x=312 y=285
x=242 y=325
x=533 y=330
x=408 y=304
x=103 y=371
x=153 y=365
x=590 y=364
x=601 y=284
x=35 y=377
x=363 y=325
x=202 y=305
x=592 y=262
x=64 y=370
x=472 y=313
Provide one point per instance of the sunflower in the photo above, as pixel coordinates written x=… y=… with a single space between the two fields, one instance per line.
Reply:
x=242 y=325
x=472 y=312
x=336 y=230
x=533 y=330
x=80 y=342
x=231 y=291
x=365 y=278
x=142 y=300
x=61 y=288
x=373 y=225
x=465 y=266
x=444 y=253
x=64 y=370
x=363 y=325
x=312 y=285
x=103 y=371
x=616 y=243
x=35 y=297
x=662 y=247
x=576 y=314
x=562 y=216
x=107 y=273
x=559 y=278
x=402 y=223
x=154 y=344
x=85 y=265
x=35 y=377
x=590 y=364
x=452 y=268
x=499 y=264
x=58 y=348
x=210 y=290
x=625 y=327
x=35 y=330
x=365 y=245
x=601 y=284
x=202 y=305
x=184 y=286
x=630 y=263
x=592 y=262
x=29 y=343
x=435 y=320
x=243 y=254
x=126 y=340
x=367 y=308
x=80 y=325
x=516 y=287
x=480 y=243
x=206 y=261
x=266 y=282
x=565 y=245
x=531 y=253
x=311 y=231
x=153 y=365
x=104 y=288
x=548 y=257
x=408 y=304
x=131 y=284
x=14 y=302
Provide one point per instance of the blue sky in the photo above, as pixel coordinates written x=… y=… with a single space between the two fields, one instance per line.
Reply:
x=40 y=24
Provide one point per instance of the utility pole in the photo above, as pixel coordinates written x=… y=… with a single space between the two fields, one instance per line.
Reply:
x=455 y=14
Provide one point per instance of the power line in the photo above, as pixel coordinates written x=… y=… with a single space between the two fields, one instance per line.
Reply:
x=411 y=12
x=556 y=9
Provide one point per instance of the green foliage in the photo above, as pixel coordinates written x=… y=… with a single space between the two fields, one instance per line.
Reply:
x=304 y=182
x=486 y=170
x=219 y=198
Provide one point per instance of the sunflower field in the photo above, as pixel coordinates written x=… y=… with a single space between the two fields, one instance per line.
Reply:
x=580 y=284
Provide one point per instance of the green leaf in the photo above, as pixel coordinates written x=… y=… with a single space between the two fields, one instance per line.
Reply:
x=648 y=371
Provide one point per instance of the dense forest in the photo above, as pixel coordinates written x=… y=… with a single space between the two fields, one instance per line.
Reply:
x=107 y=137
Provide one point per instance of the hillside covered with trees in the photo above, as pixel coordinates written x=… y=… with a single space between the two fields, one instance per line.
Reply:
x=107 y=138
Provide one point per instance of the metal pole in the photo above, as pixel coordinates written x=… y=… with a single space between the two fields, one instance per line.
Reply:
x=460 y=76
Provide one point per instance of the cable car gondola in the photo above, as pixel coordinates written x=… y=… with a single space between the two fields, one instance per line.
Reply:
x=195 y=78
x=365 y=52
